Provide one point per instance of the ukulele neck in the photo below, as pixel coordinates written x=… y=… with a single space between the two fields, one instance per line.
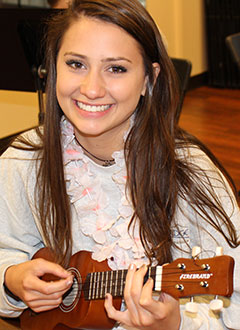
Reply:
x=99 y=283
x=181 y=278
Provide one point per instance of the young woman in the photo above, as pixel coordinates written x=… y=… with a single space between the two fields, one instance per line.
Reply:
x=112 y=173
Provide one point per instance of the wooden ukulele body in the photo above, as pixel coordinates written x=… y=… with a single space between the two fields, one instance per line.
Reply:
x=83 y=305
x=80 y=314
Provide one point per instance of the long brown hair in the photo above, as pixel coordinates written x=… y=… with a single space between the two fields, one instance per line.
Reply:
x=157 y=177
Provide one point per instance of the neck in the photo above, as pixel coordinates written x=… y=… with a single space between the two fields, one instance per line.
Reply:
x=106 y=143
x=101 y=160
x=101 y=147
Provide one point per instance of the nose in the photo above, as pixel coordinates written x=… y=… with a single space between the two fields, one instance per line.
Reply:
x=92 y=85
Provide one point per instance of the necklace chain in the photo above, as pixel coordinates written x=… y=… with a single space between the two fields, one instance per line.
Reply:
x=106 y=162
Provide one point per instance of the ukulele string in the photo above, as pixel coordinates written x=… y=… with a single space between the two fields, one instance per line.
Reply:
x=174 y=271
x=113 y=285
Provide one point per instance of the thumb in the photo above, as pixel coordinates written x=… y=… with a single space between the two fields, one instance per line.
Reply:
x=43 y=267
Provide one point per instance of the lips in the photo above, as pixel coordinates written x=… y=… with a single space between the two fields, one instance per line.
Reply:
x=93 y=108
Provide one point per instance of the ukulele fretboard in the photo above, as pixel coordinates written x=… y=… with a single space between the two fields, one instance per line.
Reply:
x=97 y=284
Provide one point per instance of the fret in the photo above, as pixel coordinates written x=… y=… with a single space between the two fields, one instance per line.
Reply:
x=97 y=286
x=90 y=287
x=116 y=283
x=94 y=285
x=106 y=286
x=102 y=284
x=111 y=282
x=121 y=282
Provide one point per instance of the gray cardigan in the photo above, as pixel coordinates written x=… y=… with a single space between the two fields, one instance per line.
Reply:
x=20 y=235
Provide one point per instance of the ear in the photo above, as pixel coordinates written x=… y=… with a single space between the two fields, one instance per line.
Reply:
x=156 y=70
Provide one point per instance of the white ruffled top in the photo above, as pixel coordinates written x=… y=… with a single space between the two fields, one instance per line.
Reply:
x=103 y=210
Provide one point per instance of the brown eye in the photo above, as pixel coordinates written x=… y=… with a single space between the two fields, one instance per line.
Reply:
x=117 y=69
x=74 y=64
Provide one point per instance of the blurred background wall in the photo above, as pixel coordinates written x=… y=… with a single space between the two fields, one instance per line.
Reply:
x=183 y=24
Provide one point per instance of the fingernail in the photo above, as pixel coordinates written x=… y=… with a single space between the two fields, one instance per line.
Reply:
x=132 y=266
x=69 y=282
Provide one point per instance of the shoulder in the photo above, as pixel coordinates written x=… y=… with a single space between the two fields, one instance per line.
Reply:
x=192 y=154
x=206 y=173
x=203 y=168
x=20 y=149
x=20 y=161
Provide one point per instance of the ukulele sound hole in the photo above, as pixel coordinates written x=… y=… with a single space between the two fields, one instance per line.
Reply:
x=71 y=297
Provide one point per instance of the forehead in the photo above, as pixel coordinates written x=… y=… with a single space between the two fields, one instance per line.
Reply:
x=91 y=33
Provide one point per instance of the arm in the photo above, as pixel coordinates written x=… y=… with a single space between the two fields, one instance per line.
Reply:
x=195 y=231
x=20 y=238
x=200 y=233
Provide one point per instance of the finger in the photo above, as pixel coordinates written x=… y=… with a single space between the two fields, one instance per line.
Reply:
x=137 y=284
x=146 y=301
x=113 y=313
x=160 y=308
x=132 y=292
x=146 y=295
x=43 y=308
x=33 y=295
x=134 y=281
x=49 y=288
x=43 y=267
x=128 y=292
x=164 y=297
x=44 y=305
x=139 y=292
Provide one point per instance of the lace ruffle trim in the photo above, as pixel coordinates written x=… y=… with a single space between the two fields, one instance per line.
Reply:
x=107 y=229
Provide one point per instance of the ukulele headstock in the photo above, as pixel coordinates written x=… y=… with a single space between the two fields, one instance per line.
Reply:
x=189 y=277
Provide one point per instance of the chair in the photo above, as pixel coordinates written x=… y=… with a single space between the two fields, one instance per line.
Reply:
x=233 y=44
x=183 y=68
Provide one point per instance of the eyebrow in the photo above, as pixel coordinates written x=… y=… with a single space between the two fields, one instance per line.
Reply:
x=107 y=59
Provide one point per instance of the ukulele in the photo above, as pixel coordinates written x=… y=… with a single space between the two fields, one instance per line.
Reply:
x=82 y=306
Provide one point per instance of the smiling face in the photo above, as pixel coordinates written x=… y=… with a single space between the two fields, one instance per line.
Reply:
x=100 y=78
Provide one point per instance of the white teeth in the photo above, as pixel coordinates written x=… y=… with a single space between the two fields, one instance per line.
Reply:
x=93 y=108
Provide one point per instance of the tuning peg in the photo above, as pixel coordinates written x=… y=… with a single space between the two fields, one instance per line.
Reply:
x=219 y=251
x=216 y=305
x=196 y=250
x=191 y=307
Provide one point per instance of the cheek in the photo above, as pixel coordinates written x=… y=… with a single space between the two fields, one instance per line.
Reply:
x=63 y=93
x=64 y=81
x=58 y=79
x=59 y=84
x=128 y=93
x=60 y=94
x=64 y=86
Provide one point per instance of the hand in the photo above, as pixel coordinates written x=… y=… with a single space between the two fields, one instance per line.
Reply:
x=142 y=310
x=24 y=281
